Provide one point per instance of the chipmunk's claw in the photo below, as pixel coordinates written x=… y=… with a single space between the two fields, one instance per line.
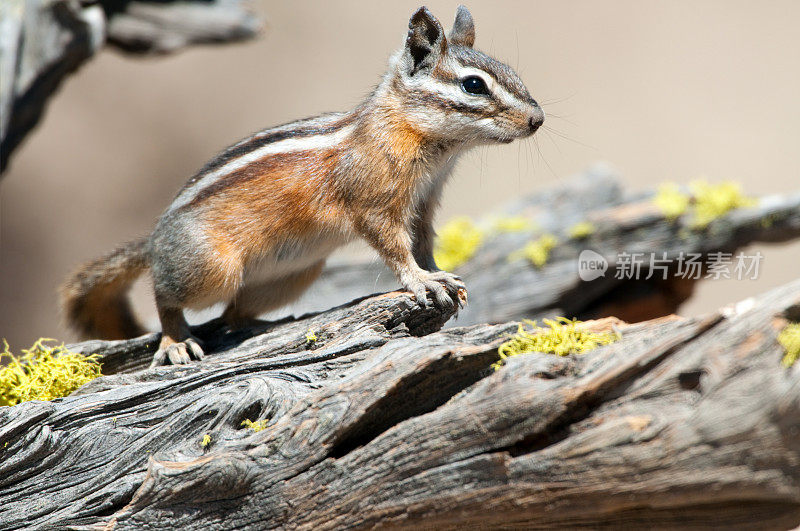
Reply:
x=195 y=350
x=445 y=288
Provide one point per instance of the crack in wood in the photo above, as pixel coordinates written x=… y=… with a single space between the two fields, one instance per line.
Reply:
x=417 y=394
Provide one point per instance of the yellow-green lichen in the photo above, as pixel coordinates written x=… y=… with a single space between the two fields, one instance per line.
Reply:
x=560 y=336
x=712 y=201
x=705 y=201
x=255 y=426
x=44 y=373
x=671 y=201
x=537 y=251
x=513 y=224
x=311 y=337
x=457 y=242
x=581 y=230
x=789 y=338
x=206 y=440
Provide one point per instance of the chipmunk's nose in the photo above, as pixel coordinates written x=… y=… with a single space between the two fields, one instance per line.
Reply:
x=535 y=122
x=536 y=119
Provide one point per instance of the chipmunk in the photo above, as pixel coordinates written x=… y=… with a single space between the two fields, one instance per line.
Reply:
x=254 y=226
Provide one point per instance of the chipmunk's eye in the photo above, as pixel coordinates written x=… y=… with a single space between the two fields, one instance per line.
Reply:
x=474 y=85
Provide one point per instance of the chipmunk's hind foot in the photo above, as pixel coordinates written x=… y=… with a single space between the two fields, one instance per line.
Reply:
x=178 y=346
x=180 y=353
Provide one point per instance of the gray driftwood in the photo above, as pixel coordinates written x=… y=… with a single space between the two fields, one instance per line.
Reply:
x=383 y=421
x=501 y=289
x=43 y=41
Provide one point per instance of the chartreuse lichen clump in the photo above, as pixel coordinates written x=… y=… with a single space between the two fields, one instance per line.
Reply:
x=513 y=224
x=311 y=337
x=705 y=201
x=672 y=202
x=581 y=230
x=789 y=339
x=457 y=242
x=537 y=251
x=714 y=200
x=560 y=336
x=255 y=426
x=44 y=373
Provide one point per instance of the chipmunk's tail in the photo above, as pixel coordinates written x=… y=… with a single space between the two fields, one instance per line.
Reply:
x=94 y=299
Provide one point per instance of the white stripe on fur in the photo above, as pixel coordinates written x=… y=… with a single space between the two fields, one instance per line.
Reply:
x=288 y=145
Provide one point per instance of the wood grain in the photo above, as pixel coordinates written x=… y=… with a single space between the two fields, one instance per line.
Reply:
x=682 y=422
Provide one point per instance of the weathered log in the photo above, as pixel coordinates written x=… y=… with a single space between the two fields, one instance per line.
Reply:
x=681 y=422
x=502 y=289
x=43 y=41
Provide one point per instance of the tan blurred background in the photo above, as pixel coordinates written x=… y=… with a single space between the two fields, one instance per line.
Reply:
x=661 y=90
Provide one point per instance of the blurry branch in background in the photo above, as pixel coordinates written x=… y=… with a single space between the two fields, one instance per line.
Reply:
x=42 y=41
x=525 y=256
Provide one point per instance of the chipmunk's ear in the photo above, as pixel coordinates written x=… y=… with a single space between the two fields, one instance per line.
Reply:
x=463 y=32
x=425 y=43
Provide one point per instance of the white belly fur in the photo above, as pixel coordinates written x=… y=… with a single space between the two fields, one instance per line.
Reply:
x=292 y=256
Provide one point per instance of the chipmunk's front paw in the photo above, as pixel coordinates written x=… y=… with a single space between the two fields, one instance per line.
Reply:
x=447 y=289
x=179 y=353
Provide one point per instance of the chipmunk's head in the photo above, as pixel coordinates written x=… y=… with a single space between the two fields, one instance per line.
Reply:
x=451 y=91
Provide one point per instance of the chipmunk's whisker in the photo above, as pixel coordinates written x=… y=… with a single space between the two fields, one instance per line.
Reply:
x=541 y=156
x=560 y=117
x=561 y=100
x=566 y=137
x=550 y=137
